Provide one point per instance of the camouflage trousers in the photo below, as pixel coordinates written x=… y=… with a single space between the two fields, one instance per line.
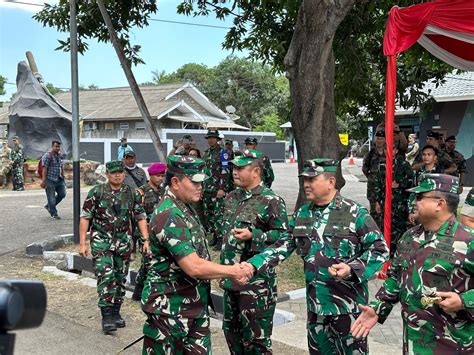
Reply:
x=17 y=176
x=213 y=212
x=248 y=323
x=174 y=335
x=371 y=196
x=329 y=334
x=111 y=271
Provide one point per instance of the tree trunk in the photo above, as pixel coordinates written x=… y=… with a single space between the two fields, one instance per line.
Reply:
x=310 y=66
x=151 y=128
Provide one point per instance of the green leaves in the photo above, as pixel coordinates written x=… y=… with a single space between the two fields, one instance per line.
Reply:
x=124 y=14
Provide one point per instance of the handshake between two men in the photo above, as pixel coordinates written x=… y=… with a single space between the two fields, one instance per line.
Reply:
x=243 y=272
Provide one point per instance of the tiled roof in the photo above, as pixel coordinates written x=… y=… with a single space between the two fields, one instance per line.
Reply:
x=456 y=87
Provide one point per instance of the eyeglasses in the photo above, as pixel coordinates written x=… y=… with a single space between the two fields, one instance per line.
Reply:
x=419 y=197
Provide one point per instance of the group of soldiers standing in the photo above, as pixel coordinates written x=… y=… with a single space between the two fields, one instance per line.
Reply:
x=339 y=242
x=11 y=162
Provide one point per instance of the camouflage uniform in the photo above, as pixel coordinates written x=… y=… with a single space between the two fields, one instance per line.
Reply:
x=217 y=178
x=176 y=305
x=444 y=160
x=429 y=262
x=404 y=176
x=370 y=168
x=110 y=213
x=342 y=231
x=148 y=198
x=460 y=162
x=468 y=207
x=18 y=159
x=249 y=309
x=5 y=165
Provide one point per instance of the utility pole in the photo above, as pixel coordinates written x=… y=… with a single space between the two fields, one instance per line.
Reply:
x=76 y=169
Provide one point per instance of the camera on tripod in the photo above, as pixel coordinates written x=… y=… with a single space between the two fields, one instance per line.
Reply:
x=22 y=306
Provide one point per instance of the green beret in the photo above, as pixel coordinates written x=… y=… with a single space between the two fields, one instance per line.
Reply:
x=247 y=157
x=114 y=165
x=318 y=166
x=187 y=165
x=437 y=182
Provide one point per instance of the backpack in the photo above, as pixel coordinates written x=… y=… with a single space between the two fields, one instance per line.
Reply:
x=39 y=168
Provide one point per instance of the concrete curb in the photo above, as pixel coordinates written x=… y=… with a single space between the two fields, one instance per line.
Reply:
x=51 y=244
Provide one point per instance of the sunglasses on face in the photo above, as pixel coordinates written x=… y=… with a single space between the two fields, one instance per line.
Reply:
x=419 y=197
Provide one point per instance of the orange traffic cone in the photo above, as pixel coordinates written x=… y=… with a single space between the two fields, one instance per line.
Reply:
x=292 y=158
x=351 y=160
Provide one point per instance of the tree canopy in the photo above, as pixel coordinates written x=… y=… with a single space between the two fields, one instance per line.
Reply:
x=3 y=80
x=251 y=87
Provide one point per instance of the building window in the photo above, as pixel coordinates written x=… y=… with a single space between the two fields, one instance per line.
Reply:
x=123 y=125
x=140 y=126
x=108 y=126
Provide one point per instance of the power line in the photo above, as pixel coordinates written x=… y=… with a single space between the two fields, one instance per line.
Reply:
x=152 y=19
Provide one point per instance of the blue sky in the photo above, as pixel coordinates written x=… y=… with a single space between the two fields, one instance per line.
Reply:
x=165 y=46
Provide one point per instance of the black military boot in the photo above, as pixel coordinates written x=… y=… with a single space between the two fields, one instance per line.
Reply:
x=119 y=321
x=137 y=293
x=108 y=322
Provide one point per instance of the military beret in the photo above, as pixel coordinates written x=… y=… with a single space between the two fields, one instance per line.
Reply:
x=14 y=138
x=114 y=165
x=247 y=157
x=212 y=133
x=187 y=165
x=451 y=138
x=129 y=153
x=432 y=134
x=229 y=141
x=123 y=139
x=437 y=182
x=380 y=133
x=318 y=166
x=251 y=140
x=157 y=169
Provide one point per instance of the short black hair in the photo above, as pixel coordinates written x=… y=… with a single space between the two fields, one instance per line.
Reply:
x=169 y=175
x=257 y=163
x=452 y=200
x=53 y=142
x=429 y=146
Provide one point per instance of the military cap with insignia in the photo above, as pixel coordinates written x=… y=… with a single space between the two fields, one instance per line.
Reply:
x=380 y=133
x=432 y=134
x=318 y=166
x=212 y=133
x=437 y=182
x=247 y=157
x=187 y=165
x=114 y=166
x=251 y=140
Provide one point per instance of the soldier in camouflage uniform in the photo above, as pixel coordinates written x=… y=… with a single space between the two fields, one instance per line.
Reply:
x=149 y=195
x=254 y=218
x=458 y=159
x=444 y=160
x=18 y=159
x=109 y=208
x=370 y=168
x=432 y=276
x=177 y=294
x=402 y=179
x=267 y=174
x=214 y=188
x=341 y=247
x=467 y=211
x=5 y=164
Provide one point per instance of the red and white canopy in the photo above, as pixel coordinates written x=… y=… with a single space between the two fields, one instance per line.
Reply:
x=446 y=29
